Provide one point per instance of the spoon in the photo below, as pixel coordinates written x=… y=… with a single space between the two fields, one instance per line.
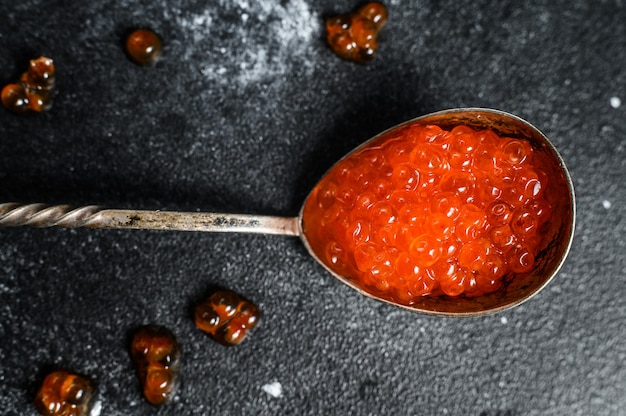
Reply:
x=557 y=235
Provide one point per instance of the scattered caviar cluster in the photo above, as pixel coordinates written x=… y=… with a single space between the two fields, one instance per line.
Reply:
x=227 y=317
x=425 y=211
x=144 y=47
x=63 y=393
x=156 y=354
x=35 y=90
x=353 y=36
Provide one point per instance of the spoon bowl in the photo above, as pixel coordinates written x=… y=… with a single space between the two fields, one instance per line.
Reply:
x=556 y=234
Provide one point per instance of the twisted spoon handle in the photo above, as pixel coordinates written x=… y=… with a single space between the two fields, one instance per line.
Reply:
x=41 y=215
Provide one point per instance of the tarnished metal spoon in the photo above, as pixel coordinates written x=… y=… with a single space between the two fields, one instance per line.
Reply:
x=558 y=238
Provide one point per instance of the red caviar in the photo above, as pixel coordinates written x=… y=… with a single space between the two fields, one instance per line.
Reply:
x=227 y=317
x=64 y=393
x=156 y=354
x=35 y=90
x=427 y=211
x=353 y=36
x=144 y=47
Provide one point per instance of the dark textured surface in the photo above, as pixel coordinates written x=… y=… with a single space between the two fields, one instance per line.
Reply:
x=247 y=108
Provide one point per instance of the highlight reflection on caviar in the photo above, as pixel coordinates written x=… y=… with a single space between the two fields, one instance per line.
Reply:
x=401 y=219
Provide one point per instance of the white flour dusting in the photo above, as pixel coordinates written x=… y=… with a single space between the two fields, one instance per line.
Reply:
x=263 y=42
x=606 y=204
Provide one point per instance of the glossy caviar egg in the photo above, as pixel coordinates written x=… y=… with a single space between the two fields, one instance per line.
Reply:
x=144 y=47
x=64 y=393
x=374 y=12
x=427 y=211
x=156 y=354
x=228 y=317
x=353 y=36
x=14 y=98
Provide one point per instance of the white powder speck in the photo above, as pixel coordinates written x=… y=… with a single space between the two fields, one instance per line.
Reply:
x=504 y=320
x=615 y=102
x=606 y=204
x=274 y=389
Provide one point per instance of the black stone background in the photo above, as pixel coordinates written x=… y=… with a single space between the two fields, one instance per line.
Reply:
x=246 y=110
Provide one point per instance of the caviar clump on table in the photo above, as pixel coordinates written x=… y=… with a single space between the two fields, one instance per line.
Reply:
x=226 y=317
x=144 y=47
x=156 y=354
x=426 y=211
x=35 y=90
x=353 y=36
x=64 y=393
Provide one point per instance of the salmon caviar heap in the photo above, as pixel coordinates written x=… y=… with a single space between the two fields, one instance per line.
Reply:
x=64 y=393
x=353 y=36
x=144 y=47
x=226 y=317
x=426 y=211
x=35 y=90
x=156 y=354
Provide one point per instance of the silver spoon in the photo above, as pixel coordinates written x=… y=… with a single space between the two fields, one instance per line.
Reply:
x=549 y=260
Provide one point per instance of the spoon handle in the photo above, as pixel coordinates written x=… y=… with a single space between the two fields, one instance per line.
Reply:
x=41 y=215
